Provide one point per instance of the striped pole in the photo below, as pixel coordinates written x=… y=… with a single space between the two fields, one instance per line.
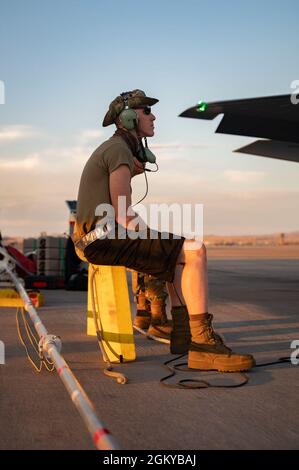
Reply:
x=50 y=345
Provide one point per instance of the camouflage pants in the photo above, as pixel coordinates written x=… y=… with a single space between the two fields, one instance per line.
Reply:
x=150 y=293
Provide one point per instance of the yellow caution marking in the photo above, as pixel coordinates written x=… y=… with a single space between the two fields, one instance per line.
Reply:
x=113 y=311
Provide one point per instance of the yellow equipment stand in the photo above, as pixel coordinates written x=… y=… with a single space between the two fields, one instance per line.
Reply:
x=112 y=306
x=11 y=298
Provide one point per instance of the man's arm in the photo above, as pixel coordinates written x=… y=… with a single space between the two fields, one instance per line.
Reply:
x=120 y=185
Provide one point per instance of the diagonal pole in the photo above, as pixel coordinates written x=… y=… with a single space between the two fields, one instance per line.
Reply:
x=50 y=345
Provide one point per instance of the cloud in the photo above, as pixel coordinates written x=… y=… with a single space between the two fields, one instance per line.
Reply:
x=178 y=146
x=53 y=160
x=28 y=163
x=33 y=189
x=33 y=207
x=17 y=132
x=181 y=153
x=87 y=136
x=237 y=176
x=72 y=157
x=2 y=92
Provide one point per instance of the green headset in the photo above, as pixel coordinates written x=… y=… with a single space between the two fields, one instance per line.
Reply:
x=129 y=120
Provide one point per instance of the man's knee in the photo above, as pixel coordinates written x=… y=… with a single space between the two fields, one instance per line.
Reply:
x=193 y=252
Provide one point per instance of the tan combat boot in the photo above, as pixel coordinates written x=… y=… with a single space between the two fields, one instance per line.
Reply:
x=208 y=351
x=143 y=315
x=151 y=316
x=180 y=337
x=156 y=295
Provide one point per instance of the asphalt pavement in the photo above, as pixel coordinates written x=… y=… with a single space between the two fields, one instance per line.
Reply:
x=255 y=302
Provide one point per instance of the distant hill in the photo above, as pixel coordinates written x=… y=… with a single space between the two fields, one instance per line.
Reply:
x=290 y=238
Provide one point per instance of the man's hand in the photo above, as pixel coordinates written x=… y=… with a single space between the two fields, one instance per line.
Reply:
x=120 y=185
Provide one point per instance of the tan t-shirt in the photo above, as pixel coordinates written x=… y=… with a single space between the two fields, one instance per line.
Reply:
x=94 y=184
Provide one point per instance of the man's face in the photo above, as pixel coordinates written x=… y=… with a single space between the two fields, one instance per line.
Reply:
x=146 y=126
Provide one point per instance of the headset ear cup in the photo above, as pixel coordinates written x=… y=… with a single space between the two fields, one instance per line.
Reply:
x=150 y=157
x=127 y=118
x=146 y=155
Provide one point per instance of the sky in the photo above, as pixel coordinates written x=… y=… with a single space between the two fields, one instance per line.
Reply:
x=62 y=62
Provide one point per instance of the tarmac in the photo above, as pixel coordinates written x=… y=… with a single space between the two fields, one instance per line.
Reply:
x=254 y=296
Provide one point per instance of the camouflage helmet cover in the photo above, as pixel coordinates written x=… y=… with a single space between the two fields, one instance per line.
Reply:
x=135 y=99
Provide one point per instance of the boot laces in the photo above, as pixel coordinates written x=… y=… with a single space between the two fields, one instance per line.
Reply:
x=214 y=337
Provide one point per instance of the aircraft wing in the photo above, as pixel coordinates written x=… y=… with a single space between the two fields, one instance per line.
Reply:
x=271 y=117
